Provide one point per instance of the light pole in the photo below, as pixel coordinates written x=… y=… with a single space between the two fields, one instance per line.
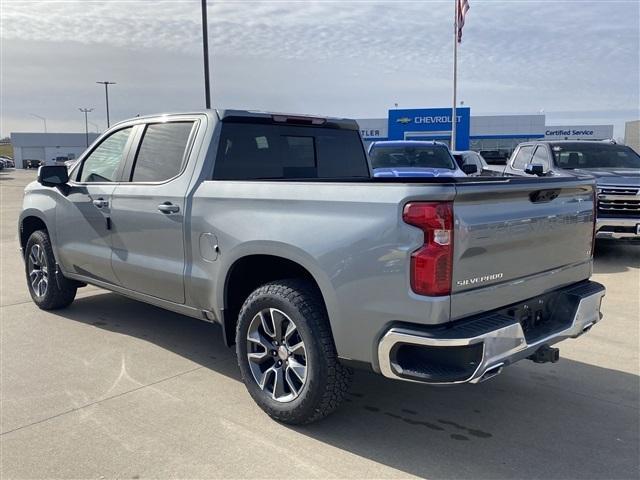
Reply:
x=106 y=96
x=86 y=123
x=205 y=51
x=44 y=120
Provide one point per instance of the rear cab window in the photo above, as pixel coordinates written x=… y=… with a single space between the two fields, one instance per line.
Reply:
x=258 y=151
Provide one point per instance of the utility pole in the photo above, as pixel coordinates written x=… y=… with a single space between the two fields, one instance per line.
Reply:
x=86 y=123
x=455 y=76
x=106 y=96
x=205 y=51
x=44 y=120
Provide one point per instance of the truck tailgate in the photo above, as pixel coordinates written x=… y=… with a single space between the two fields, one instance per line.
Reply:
x=518 y=239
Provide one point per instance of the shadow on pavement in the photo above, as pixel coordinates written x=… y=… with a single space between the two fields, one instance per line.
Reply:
x=565 y=420
x=616 y=256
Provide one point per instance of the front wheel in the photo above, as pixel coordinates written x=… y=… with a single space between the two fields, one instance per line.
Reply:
x=286 y=353
x=48 y=288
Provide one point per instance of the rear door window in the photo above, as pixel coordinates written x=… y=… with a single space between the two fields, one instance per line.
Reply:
x=249 y=151
x=522 y=157
x=161 y=154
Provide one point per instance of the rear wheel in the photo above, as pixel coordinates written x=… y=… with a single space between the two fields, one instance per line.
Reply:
x=286 y=353
x=48 y=288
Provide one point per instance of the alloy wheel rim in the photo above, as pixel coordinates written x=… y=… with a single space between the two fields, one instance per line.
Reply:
x=38 y=271
x=277 y=355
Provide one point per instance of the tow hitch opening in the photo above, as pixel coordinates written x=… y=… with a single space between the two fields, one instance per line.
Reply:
x=545 y=354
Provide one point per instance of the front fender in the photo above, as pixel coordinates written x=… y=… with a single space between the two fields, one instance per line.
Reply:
x=38 y=203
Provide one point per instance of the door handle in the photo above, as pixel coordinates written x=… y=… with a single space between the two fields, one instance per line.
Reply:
x=168 y=207
x=100 y=202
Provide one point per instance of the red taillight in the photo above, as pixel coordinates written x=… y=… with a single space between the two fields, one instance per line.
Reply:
x=431 y=265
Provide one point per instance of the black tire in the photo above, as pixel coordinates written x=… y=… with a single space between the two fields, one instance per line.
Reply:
x=327 y=381
x=59 y=291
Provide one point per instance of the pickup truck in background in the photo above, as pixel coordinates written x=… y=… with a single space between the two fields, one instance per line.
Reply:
x=273 y=227
x=616 y=169
x=416 y=159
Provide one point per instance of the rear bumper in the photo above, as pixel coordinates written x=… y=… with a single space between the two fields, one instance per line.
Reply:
x=617 y=228
x=477 y=349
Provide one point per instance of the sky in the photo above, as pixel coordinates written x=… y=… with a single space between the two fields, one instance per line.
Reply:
x=576 y=61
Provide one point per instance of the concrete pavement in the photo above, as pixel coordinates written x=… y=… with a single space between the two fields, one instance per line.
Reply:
x=111 y=388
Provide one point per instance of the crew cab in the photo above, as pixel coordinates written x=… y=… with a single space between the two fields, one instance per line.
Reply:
x=272 y=226
x=615 y=167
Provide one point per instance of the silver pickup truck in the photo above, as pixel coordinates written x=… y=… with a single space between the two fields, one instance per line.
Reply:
x=616 y=169
x=272 y=226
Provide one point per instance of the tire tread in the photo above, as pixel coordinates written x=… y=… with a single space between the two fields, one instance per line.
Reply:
x=61 y=292
x=305 y=297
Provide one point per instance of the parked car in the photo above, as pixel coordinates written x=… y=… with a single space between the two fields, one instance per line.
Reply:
x=495 y=157
x=468 y=157
x=615 y=167
x=33 y=163
x=7 y=162
x=409 y=158
x=70 y=163
x=273 y=226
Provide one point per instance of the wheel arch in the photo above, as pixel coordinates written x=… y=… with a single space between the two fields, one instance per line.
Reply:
x=30 y=222
x=249 y=272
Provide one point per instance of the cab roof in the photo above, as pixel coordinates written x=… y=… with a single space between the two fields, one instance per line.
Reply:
x=256 y=116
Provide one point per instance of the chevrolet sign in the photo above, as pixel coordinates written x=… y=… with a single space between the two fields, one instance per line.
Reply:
x=403 y=120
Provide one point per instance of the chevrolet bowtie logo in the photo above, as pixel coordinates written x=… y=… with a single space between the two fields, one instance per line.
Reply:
x=403 y=120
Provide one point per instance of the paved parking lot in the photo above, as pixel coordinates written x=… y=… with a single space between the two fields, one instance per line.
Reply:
x=115 y=388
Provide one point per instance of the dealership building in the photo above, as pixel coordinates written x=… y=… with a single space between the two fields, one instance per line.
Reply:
x=474 y=132
x=48 y=147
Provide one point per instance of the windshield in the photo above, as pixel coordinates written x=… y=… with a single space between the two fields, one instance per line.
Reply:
x=593 y=155
x=428 y=156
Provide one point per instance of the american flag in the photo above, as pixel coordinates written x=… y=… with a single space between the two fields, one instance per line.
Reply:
x=463 y=8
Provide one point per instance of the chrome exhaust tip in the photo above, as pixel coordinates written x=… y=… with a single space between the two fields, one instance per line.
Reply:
x=491 y=372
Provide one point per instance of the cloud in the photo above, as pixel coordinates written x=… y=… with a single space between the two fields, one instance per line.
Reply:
x=353 y=58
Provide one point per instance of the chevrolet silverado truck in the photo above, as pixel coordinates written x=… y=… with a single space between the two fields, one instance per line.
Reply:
x=616 y=169
x=273 y=227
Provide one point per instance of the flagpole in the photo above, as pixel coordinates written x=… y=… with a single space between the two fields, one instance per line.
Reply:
x=455 y=75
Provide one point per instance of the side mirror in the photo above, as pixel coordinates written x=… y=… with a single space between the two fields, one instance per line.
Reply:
x=53 y=175
x=470 y=168
x=534 y=169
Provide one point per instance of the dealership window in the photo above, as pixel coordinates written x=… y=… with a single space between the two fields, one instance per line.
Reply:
x=522 y=157
x=102 y=164
x=162 y=152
